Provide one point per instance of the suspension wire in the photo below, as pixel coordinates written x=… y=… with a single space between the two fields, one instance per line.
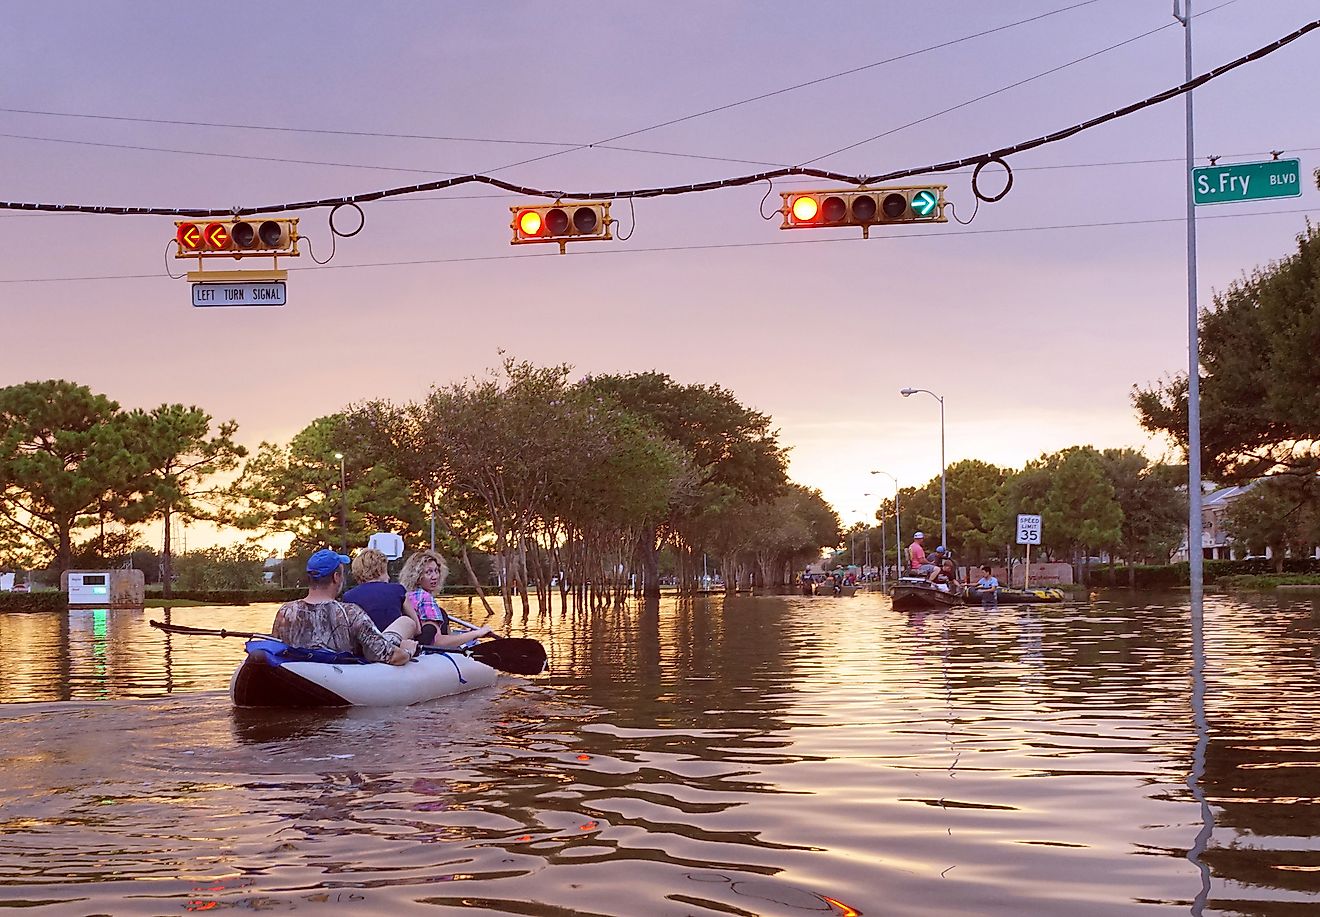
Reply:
x=696 y=187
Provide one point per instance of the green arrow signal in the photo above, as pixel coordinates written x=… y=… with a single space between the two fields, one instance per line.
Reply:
x=924 y=203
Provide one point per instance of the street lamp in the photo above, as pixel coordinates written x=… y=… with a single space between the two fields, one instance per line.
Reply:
x=898 y=537
x=944 y=533
x=343 y=506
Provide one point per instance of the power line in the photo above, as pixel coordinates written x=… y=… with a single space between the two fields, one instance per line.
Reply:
x=569 y=147
x=710 y=246
x=736 y=181
x=994 y=92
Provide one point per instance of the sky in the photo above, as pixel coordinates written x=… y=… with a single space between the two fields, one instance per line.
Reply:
x=1034 y=321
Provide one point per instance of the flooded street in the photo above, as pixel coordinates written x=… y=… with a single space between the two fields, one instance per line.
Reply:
x=767 y=755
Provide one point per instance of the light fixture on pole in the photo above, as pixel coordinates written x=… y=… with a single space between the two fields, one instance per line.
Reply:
x=898 y=536
x=343 y=506
x=944 y=529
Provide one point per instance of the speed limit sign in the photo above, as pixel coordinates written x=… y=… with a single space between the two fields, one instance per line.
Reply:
x=1028 y=529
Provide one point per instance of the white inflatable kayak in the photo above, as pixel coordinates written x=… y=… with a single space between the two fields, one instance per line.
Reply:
x=275 y=674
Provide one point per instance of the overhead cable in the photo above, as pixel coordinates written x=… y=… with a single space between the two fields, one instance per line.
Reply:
x=735 y=181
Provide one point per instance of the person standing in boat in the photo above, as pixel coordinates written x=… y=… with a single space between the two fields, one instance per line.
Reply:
x=320 y=620
x=383 y=601
x=423 y=574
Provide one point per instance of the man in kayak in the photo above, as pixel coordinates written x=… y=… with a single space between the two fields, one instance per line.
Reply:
x=322 y=621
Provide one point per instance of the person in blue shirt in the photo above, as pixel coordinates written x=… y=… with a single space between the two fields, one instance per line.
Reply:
x=383 y=601
x=987 y=587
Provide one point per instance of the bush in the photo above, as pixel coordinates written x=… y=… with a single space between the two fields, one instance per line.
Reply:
x=1171 y=576
x=33 y=601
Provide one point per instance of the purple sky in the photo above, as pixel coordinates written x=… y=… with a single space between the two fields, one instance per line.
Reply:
x=1034 y=333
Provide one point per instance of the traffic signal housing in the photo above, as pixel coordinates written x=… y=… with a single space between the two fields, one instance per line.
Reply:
x=236 y=238
x=576 y=221
x=865 y=207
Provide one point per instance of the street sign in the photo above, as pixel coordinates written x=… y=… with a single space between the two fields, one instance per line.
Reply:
x=238 y=294
x=1028 y=529
x=1247 y=181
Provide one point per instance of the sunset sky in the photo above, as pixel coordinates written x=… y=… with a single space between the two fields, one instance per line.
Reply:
x=1034 y=321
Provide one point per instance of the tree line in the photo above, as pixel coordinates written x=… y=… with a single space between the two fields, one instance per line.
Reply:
x=567 y=487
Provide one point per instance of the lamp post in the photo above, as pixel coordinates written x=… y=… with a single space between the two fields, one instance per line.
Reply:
x=944 y=533
x=898 y=537
x=343 y=506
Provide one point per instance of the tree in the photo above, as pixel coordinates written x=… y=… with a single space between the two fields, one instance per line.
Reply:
x=732 y=450
x=1278 y=514
x=65 y=452
x=1154 y=507
x=1081 y=505
x=1260 y=406
x=295 y=490
x=183 y=458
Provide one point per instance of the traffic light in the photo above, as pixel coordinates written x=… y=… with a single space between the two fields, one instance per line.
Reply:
x=865 y=207
x=236 y=238
x=576 y=221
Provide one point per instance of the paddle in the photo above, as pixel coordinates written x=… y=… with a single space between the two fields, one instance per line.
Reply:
x=515 y=655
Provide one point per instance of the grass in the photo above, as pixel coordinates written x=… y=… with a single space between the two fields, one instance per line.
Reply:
x=172 y=603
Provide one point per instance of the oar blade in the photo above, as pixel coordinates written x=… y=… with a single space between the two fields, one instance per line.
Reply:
x=515 y=655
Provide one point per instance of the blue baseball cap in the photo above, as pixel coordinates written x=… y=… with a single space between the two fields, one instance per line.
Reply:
x=325 y=562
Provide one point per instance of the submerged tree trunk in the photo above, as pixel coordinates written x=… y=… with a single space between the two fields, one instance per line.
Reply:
x=473 y=580
x=648 y=552
x=166 y=561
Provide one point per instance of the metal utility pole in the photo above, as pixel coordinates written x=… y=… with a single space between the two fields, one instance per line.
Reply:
x=1194 y=521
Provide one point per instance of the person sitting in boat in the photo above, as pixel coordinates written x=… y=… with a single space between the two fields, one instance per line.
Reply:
x=946 y=574
x=320 y=620
x=935 y=567
x=917 y=555
x=383 y=601
x=423 y=574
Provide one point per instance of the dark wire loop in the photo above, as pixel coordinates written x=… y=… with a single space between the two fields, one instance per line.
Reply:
x=953 y=208
x=362 y=220
x=976 y=179
x=632 y=225
x=768 y=191
x=168 y=272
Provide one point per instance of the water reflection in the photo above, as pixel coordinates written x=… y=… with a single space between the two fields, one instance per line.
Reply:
x=750 y=755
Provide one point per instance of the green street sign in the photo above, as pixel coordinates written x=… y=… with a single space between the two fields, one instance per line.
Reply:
x=1247 y=181
x=925 y=202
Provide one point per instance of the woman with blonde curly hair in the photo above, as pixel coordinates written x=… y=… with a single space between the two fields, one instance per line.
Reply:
x=422 y=576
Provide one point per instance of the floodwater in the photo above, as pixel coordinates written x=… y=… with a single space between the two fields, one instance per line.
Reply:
x=749 y=756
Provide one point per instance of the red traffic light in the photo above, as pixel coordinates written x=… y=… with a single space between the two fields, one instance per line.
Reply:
x=863 y=208
x=188 y=236
x=580 y=221
x=216 y=235
x=237 y=238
